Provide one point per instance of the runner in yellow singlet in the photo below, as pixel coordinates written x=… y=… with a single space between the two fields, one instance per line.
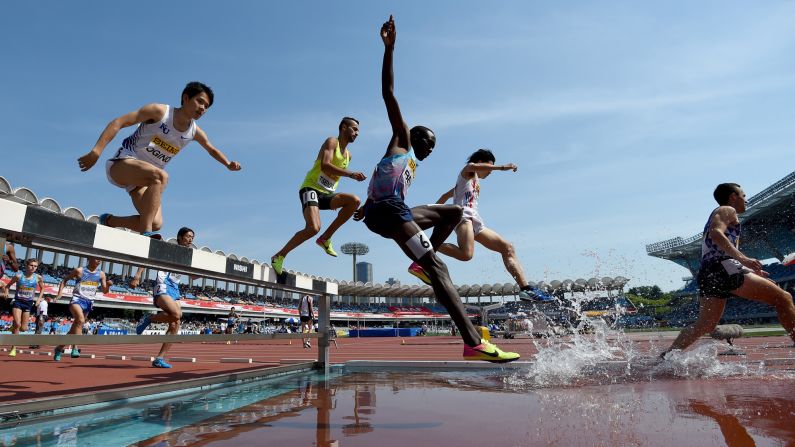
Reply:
x=318 y=192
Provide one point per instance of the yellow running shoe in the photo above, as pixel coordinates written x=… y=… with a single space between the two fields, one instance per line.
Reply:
x=13 y=352
x=277 y=264
x=416 y=270
x=488 y=352
x=326 y=245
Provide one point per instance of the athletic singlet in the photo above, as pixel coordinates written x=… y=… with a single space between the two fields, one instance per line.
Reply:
x=303 y=310
x=26 y=287
x=88 y=284
x=319 y=181
x=168 y=284
x=157 y=143
x=710 y=250
x=467 y=191
x=392 y=177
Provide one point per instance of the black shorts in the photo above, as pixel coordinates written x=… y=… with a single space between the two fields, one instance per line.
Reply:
x=720 y=277
x=313 y=197
x=384 y=216
x=305 y=318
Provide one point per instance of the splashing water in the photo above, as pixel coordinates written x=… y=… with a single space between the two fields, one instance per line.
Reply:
x=597 y=353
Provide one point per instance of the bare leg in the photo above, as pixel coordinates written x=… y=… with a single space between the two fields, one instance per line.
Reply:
x=466 y=243
x=312 y=219
x=172 y=313
x=446 y=294
x=709 y=312
x=20 y=321
x=494 y=242
x=137 y=196
x=443 y=219
x=77 y=324
x=349 y=203
x=139 y=173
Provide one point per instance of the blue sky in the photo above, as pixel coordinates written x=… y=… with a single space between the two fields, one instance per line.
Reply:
x=622 y=116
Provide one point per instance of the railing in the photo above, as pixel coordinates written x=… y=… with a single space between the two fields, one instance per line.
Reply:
x=36 y=228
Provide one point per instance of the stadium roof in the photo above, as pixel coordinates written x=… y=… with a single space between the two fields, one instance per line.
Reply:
x=27 y=197
x=767 y=229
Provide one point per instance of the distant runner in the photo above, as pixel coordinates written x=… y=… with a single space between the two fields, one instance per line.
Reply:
x=25 y=299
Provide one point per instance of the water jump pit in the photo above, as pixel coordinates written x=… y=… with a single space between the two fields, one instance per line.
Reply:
x=594 y=390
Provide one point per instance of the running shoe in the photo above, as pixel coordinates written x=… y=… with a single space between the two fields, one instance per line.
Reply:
x=535 y=295
x=416 y=270
x=103 y=218
x=75 y=353
x=160 y=362
x=145 y=322
x=13 y=352
x=488 y=352
x=277 y=262
x=789 y=259
x=326 y=245
x=56 y=355
x=153 y=235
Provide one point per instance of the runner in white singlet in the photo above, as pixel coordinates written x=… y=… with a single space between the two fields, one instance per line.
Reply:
x=138 y=166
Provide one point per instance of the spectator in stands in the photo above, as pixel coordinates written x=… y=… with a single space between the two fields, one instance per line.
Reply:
x=465 y=193
x=166 y=297
x=25 y=298
x=306 y=313
x=726 y=271
x=386 y=213
x=89 y=279
x=139 y=165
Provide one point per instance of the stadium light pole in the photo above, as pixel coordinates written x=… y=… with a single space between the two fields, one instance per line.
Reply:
x=355 y=249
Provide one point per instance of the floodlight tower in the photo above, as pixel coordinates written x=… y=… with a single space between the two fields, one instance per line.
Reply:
x=355 y=249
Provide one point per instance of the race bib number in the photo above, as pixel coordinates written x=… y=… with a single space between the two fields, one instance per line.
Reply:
x=309 y=196
x=325 y=182
x=419 y=245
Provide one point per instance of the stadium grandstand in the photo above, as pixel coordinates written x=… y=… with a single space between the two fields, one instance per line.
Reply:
x=209 y=301
x=768 y=224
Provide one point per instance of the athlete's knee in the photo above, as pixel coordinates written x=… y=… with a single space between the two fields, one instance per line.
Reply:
x=353 y=202
x=158 y=177
x=176 y=316
x=467 y=253
x=507 y=249
x=456 y=211
x=312 y=228
x=157 y=223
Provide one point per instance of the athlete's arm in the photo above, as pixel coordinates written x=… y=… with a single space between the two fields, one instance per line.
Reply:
x=11 y=255
x=149 y=113
x=76 y=273
x=326 y=155
x=485 y=168
x=400 y=131
x=106 y=283
x=40 y=282
x=446 y=196
x=202 y=139
x=723 y=218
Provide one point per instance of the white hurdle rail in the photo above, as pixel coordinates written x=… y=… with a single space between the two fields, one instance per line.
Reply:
x=37 y=227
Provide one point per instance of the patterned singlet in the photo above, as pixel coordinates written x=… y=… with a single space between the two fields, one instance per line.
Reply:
x=88 y=284
x=710 y=251
x=467 y=191
x=392 y=177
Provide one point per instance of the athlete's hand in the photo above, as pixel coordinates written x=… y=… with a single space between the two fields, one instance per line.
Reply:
x=358 y=176
x=388 y=32
x=359 y=214
x=234 y=166
x=751 y=263
x=511 y=167
x=87 y=161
